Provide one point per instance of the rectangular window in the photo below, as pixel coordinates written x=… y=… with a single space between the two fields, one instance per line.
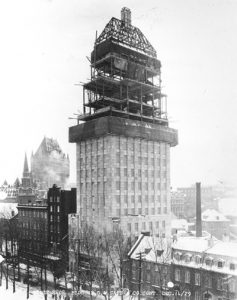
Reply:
x=187 y=277
x=117 y=172
x=197 y=279
x=219 y=284
x=125 y=172
x=208 y=282
x=125 y=185
x=126 y=199
x=143 y=226
x=158 y=210
x=177 y=275
x=139 y=211
x=139 y=186
x=136 y=226
x=133 y=199
x=118 y=185
x=132 y=172
x=129 y=227
x=117 y=157
x=125 y=211
x=197 y=295
x=150 y=225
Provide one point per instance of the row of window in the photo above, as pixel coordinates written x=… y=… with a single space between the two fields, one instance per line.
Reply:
x=187 y=257
x=140 y=211
x=123 y=144
x=124 y=172
x=125 y=199
x=54 y=208
x=54 y=199
x=207 y=280
x=151 y=161
x=33 y=225
x=123 y=185
x=32 y=213
x=146 y=226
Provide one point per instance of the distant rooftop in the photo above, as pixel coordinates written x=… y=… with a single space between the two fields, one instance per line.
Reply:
x=212 y=215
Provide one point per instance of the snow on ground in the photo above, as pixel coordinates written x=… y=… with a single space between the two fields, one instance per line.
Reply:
x=36 y=294
x=20 y=293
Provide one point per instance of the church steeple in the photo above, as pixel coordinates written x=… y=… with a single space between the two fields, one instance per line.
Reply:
x=26 y=178
x=26 y=167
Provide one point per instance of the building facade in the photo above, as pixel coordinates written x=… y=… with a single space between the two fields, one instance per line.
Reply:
x=194 y=268
x=49 y=165
x=216 y=224
x=43 y=222
x=122 y=138
x=206 y=267
x=209 y=196
x=178 y=200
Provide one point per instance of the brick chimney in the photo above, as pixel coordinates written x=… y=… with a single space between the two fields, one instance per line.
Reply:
x=198 y=210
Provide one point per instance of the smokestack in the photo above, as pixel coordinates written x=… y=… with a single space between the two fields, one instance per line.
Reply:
x=198 y=210
x=126 y=16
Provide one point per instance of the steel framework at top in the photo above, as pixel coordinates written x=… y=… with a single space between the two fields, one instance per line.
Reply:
x=128 y=35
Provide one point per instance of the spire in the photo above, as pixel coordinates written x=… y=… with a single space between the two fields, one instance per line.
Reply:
x=17 y=183
x=26 y=168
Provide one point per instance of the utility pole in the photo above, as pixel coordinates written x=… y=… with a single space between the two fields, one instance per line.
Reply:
x=28 y=283
x=121 y=277
x=78 y=264
x=7 y=276
x=14 y=276
x=139 y=257
x=45 y=278
x=140 y=276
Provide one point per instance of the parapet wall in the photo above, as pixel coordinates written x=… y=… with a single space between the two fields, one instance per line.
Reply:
x=125 y=127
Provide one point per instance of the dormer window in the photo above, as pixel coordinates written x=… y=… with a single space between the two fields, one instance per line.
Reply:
x=197 y=259
x=220 y=263
x=187 y=257
x=177 y=256
x=208 y=261
x=232 y=266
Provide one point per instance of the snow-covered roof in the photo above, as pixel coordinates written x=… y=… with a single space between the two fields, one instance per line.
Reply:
x=154 y=249
x=204 y=244
x=7 y=210
x=179 y=224
x=192 y=243
x=212 y=215
x=228 y=249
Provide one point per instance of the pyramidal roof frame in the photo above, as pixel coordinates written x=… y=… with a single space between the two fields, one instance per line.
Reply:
x=122 y=32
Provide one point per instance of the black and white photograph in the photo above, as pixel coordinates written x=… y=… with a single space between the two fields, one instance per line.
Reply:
x=118 y=157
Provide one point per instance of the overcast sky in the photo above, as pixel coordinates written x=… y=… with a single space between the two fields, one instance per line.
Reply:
x=43 y=52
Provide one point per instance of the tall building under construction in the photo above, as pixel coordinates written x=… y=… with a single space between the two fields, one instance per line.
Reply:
x=123 y=137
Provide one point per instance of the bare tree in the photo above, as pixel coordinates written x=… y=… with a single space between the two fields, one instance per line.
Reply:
x=117 y=248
